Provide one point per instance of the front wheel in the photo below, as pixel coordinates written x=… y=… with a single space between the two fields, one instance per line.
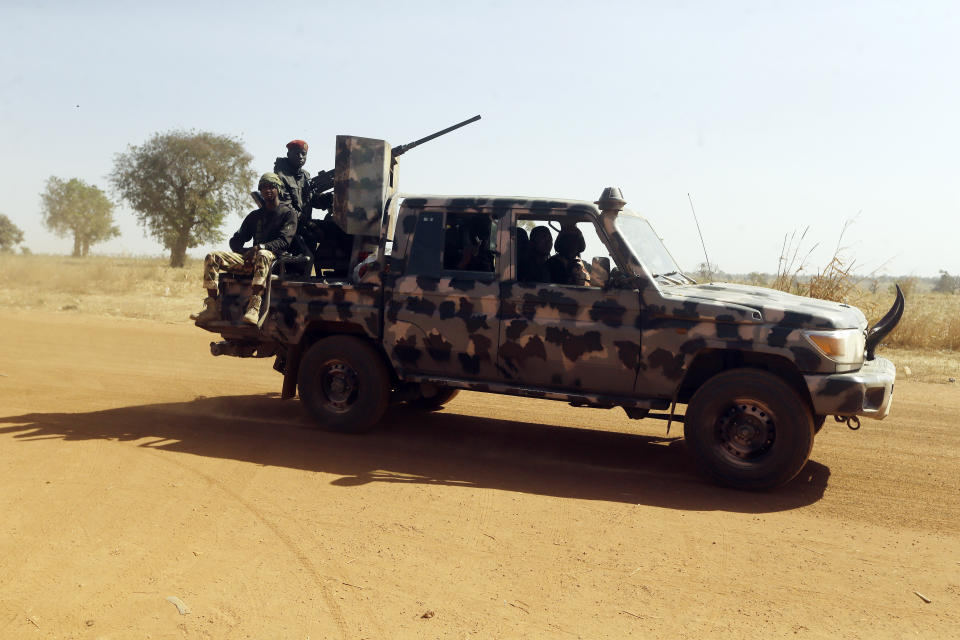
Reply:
x=344 y=384
x=748 y=429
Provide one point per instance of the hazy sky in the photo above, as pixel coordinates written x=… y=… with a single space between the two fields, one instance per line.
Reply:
x=774 y=116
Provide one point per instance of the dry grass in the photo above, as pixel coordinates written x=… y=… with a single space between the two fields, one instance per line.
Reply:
x=836 y=281
x=931 y=321
x=126 y=287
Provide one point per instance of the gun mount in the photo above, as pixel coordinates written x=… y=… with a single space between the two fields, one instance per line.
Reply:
x=364 y=178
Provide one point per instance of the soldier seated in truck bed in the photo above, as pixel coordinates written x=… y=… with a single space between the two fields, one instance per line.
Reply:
x=271 y=228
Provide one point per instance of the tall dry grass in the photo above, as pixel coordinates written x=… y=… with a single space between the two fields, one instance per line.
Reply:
x=930 y=320
x=836 y=281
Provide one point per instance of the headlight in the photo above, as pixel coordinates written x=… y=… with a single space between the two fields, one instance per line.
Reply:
x=843 y=347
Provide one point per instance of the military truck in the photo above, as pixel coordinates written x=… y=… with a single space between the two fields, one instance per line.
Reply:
x=414 y=317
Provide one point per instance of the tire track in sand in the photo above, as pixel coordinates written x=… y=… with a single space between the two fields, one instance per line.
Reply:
x=334 y=609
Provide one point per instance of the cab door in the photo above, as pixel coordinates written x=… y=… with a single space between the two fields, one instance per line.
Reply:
x=441 y=315
x=571 y=338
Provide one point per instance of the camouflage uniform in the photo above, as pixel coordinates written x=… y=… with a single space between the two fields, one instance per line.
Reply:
x=272 y=230
x=217 y=261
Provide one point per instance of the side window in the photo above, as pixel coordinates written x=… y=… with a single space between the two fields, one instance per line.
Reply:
x=562 y=252
x=596 y=256
x=462 y=242
x=470 y=241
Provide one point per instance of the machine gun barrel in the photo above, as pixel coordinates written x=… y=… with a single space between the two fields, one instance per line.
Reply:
x=402 y=149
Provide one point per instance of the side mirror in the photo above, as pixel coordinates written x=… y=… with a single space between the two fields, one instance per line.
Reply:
x=599 y=271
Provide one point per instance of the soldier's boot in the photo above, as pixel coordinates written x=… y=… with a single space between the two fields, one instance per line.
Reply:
x=210 y=313
x=252 y=316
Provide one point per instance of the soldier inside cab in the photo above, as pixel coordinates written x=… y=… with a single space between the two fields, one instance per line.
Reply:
x=566 y=266
x=533 y=255
x=467 y=244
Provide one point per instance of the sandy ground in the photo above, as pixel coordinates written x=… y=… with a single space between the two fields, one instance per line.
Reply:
x=135 y=467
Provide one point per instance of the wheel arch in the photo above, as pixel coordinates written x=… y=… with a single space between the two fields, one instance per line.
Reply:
x=318 y=330
x=709 y=362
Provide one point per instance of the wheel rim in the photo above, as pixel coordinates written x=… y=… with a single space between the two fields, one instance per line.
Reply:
x=745 y=432
x=338 y=383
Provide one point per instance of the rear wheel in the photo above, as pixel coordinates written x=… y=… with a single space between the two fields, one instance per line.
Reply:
x=344 y=384
x=749 y=429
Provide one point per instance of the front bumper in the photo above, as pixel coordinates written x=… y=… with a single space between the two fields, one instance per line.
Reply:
x=867 y=392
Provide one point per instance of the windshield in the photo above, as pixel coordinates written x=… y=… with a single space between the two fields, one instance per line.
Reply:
x=646 y=244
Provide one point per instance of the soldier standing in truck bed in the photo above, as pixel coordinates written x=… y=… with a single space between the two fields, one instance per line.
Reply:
x=295 y=190
x=271 y=228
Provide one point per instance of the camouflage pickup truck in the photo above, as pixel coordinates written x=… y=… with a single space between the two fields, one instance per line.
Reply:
x=436 y=298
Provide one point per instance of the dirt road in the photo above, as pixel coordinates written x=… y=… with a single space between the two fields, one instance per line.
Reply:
x=135 y=467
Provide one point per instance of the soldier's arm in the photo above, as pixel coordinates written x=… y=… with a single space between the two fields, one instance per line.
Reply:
x=243 y=234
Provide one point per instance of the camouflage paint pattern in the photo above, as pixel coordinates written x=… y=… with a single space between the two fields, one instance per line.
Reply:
x=633 y=341
x=867 y=392
x=217 y=261
x=629 y=346
x=362 y=184
x=443 y=325
x=297 y=308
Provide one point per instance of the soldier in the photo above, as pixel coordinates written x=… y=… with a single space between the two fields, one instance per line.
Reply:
x=295 y=190
x=534 y=264
x=565 y=266
x=271 y=228
x=475 y=245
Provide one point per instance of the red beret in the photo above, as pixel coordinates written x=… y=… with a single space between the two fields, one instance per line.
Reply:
x=297 y=143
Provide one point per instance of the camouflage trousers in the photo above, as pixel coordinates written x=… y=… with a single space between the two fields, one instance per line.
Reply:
x=218 y=261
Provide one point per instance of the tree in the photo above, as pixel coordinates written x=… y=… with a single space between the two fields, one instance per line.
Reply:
x=10 y=234
x=181 y=185
x=707 y=272
x=75 y=207
x=947 y=283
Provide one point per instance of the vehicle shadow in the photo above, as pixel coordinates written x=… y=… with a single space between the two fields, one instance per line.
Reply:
x=427 y=448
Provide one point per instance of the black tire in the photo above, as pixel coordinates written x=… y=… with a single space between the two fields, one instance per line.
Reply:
x=748 y=429
x=344 y=384
x=434 y=402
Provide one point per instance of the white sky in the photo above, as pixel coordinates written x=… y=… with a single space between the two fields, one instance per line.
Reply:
x=772 y=115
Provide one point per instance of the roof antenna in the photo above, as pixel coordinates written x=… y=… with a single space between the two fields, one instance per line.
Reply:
x=709 y=270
